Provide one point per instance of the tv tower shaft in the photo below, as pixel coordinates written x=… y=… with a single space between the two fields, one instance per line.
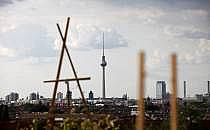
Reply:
x=103 y=65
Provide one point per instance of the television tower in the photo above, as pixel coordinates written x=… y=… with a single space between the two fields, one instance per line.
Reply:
x=103 y=65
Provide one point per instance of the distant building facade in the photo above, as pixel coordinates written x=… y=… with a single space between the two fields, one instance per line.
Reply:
x=125 y=96
x=34 y=96
x=91 y=95
x=59 y=96
x=69 y=95
x=161 y=89
x=12 y=97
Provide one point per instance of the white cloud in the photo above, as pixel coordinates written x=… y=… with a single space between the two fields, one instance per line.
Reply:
x=197 y=55
x=188 y=57
x=28 y=40
x=185 y=32
x=157 y=59
x=195 y=12
x=86 y=37
x=149 y=13
x=8 y=28
x=6 y=52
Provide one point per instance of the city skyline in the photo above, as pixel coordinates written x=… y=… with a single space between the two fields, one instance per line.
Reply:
x=160 y=93
x=29 y=44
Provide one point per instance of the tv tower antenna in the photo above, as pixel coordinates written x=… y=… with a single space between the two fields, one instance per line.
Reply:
x=103 y=65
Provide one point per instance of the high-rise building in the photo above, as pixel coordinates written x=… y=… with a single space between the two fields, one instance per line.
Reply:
x=34 y=96
x=91 y=96
x=69 y=95
x=37 y=95
x=59 y=96
x=125 y=96
x=160 y=89
x=12 y=97
x=184 y=89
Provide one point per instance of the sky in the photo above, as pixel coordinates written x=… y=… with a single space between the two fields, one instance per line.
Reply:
x=30 y=44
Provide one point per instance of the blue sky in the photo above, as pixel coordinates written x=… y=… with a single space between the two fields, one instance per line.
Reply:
x=30 y=44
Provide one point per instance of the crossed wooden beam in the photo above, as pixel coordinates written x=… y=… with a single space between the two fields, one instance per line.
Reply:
x=50 y=122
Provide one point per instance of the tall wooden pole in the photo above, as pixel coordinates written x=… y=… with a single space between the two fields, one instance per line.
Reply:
x=173 y=113
x=140 y=117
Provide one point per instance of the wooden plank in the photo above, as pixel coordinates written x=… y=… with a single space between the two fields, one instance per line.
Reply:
x=173 y=112
x=140 y=117
x=68 y=79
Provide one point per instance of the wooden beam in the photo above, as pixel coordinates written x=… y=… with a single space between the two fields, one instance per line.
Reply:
x=173 y=112
x=140 y=117
x=64 y=80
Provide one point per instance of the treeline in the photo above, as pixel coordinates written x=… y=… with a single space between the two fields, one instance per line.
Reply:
x=35 y=108
x=4 y=113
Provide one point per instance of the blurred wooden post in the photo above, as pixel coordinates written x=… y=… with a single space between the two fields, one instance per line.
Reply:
x=140 y=117
x=173 y=113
